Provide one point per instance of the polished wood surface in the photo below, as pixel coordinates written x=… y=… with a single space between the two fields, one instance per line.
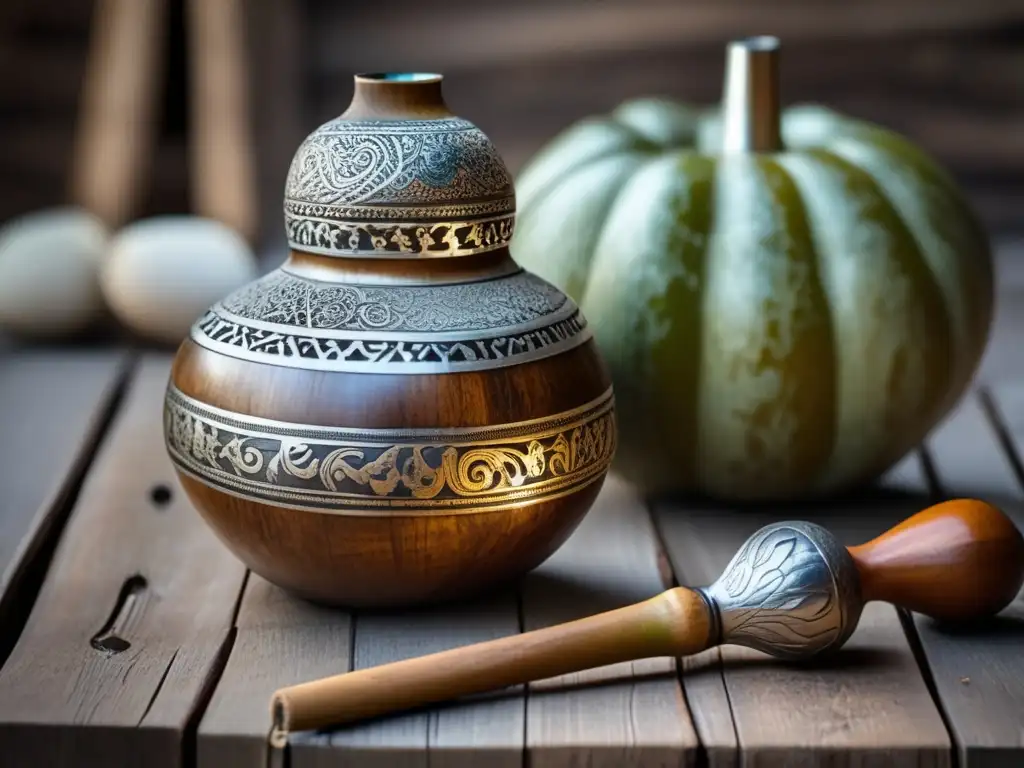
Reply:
x=960 y=559
x=389 y=401
x=674 y=623
x=390 y=559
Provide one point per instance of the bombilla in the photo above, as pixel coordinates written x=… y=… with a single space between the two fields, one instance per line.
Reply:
x=792 y=591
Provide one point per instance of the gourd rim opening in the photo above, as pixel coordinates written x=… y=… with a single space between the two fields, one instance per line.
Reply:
x=399 y=77
x=758 y=43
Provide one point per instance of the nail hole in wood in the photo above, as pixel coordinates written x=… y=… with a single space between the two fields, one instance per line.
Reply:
x=160 y=495
x=110 y=639
x=111 y=644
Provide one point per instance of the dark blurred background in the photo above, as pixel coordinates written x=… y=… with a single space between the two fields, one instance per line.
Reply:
x=948 y=73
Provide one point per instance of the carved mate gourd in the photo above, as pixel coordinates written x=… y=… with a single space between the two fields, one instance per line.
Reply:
x=399 y=414
x=792 y=591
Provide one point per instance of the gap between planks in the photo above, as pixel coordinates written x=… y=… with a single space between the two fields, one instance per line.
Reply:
x=978 y=672
x=41 y=417
x=868 y=705
x=902 y=692
x=611 y=560
x=628 y=712
x=129 y=630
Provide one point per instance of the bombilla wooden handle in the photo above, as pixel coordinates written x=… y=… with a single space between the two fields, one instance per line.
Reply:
x=958 y=560
x=792 y=591
x=676 y=622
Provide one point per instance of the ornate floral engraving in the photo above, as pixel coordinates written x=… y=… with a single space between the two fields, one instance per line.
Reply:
x=400 y=188
x=791 y=591
x=346 y=471
x=507 y=302
x=415 y=162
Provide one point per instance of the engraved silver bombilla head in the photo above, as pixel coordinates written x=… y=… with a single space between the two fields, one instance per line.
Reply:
x=791 y=591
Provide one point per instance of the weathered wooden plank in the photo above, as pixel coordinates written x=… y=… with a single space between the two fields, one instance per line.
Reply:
x=979 y=671
x=486 y=730
x=280 y=641
x=632 y=713
x=129 y=629
x=870 y=705
x=704 y=686
x=53 y=409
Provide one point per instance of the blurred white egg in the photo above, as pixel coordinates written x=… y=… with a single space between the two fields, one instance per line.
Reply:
x=162 y=273
x=49 y=272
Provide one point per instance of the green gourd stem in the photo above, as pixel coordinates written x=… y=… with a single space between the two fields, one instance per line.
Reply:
x=751 y=112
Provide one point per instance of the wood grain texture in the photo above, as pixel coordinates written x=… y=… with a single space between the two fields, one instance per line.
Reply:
x=396 y=560
x=49 y=434
x=486 y=730
x=868 y=706
x=677 y=622
x=279 y=641
x=533 y=390
x=381 y=557
x=631 y=713
x=127 y=633
x=705 y=691
x=979 y=671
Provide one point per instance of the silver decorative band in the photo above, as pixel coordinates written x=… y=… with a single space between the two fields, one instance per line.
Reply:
x=402 y=240
x=387 y=353
x=402 y=472
x=283 y=319
x=368 y=213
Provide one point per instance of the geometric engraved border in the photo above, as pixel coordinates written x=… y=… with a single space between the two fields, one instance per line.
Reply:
x=375 y=355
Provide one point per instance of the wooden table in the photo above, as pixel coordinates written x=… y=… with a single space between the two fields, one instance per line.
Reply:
x=130 y=636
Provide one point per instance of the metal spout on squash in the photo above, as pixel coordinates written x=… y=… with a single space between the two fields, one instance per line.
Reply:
x=751 y=98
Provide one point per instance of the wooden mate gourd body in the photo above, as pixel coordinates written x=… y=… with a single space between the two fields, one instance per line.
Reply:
x=792 y=591
x=398 y=414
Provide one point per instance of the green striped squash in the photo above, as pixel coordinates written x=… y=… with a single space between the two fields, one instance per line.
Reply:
x=778 y=325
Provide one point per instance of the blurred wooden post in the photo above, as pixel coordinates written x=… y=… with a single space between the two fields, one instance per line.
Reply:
x=116 y=129
x=223 y=178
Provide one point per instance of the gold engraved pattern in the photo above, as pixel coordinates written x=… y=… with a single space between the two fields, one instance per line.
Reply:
x=365 y=471
x=460 y=238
